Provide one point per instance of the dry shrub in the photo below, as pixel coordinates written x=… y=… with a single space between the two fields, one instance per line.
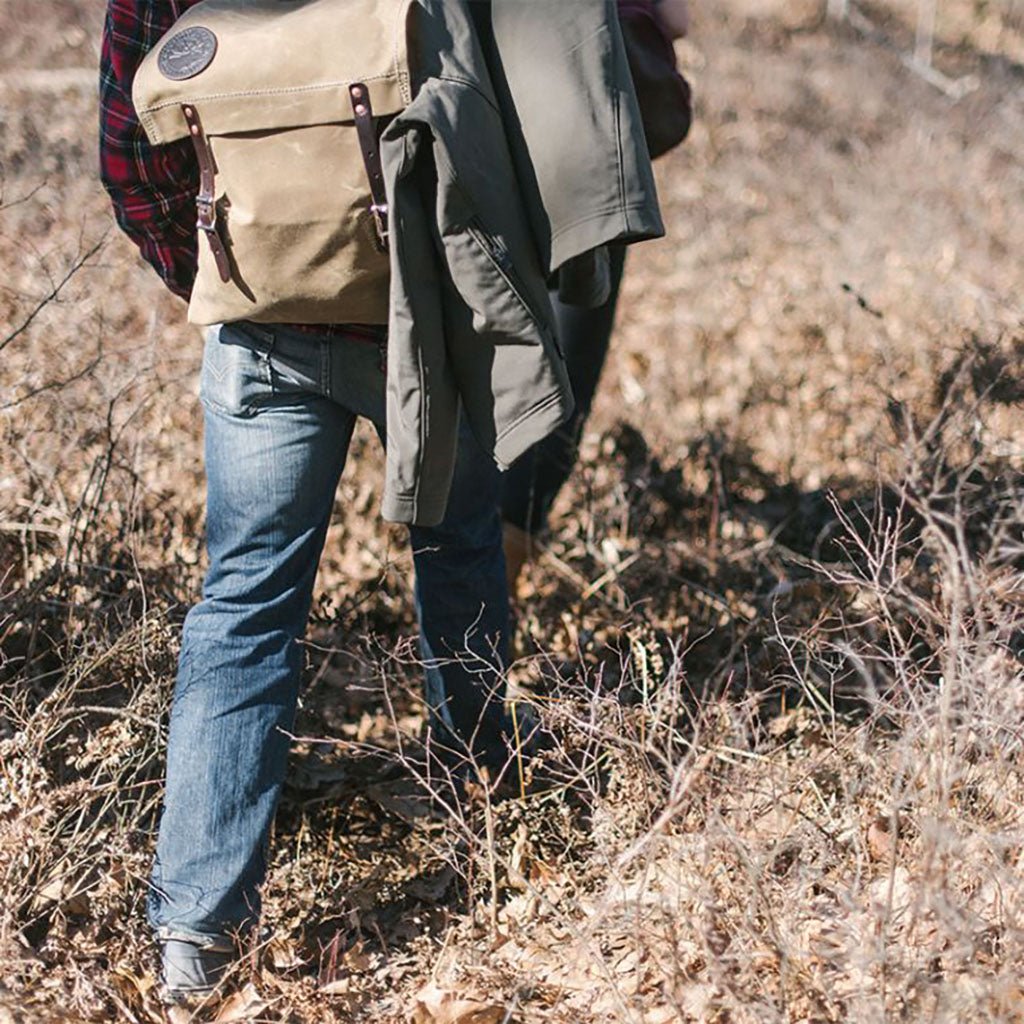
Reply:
x=778 y=781
x=774 y=651
x=836 y=834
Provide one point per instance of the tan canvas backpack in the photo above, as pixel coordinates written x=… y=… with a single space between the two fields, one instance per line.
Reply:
x=282 y=100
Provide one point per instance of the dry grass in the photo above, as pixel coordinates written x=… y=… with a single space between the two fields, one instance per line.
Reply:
x=775 y=635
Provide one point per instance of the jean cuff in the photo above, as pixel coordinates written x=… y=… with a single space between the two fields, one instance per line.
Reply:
x=213 y=943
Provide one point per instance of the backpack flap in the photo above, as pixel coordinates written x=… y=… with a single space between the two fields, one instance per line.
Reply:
x=253 y=65
x=263 y=88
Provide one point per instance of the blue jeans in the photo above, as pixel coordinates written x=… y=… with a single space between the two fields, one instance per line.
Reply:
x=280 y=406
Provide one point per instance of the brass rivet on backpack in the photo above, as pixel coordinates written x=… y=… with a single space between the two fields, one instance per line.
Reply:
x=360 y=109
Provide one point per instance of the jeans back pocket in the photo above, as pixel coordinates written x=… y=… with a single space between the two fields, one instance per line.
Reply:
x=236 y=376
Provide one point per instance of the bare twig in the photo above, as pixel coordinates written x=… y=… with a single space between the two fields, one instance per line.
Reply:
x=54 y=292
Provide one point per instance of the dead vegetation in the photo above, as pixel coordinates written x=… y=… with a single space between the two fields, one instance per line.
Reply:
x=774 y=638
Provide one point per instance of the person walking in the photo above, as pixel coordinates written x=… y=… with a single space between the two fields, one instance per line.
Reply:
x=279 y=404
x=532 y=484
x=475 y=198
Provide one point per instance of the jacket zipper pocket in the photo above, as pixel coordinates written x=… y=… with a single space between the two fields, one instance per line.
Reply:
x=502 y=262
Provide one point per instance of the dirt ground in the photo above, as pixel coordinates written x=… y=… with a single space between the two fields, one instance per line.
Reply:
x=775 y=627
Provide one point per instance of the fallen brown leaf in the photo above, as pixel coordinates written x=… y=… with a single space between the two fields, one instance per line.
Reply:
x=338 y=987
x=435 y=1005
x=881 y=838
x=240 y=1006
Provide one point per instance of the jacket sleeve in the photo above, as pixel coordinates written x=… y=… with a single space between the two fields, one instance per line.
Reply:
x=581 y=112
x=153 y=188
x=422 y=400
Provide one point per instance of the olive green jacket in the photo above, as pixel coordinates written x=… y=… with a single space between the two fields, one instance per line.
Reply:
x=522 y=150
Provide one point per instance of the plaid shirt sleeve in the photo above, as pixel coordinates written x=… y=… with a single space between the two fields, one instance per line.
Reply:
x=153 y=188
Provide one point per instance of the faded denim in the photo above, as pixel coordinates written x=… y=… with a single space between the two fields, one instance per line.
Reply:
x=280 y=406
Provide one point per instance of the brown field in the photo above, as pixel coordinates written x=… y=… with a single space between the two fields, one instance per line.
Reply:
x=776 y=632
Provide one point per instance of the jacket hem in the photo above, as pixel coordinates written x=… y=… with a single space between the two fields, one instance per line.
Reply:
x=533 y=426
x=625 y=224
x=412 y=511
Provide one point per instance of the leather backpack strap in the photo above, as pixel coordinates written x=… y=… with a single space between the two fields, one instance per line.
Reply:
x=206 y=200
x=362 y=111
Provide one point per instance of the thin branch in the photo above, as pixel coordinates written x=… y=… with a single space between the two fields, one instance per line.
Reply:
x=21 y=199
x=54 y=292
x=57 y=385
x=99 y=709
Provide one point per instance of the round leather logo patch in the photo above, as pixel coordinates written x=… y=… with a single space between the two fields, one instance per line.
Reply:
x=187 y=53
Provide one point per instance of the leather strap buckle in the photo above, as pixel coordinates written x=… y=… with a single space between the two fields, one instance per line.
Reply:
x=206 y=200
x=207 y=214
x=362 y=111
x=380 y=218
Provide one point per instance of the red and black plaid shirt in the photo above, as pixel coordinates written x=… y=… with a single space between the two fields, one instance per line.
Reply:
x=153 y=188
